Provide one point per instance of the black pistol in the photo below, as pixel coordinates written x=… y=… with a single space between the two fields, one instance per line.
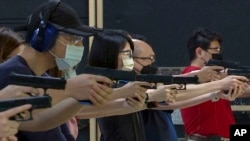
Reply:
x=37 y=102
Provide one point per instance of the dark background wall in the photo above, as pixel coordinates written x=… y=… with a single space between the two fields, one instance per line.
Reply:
x=167 y=24
x=15 y=12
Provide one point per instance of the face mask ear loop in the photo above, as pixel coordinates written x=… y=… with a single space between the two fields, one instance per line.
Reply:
x=62 y=42
x=139 y=63
x=53 y=54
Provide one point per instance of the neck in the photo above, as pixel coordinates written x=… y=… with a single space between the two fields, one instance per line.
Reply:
x=38 y=62
x=198 y=63
x=137 y=67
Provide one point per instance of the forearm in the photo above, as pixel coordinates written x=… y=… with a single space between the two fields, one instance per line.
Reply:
x=117 y=107
x=52 y=117
x=119 y=93
x=197 y=90
x=2 y=96
x=185 y=103
x=57 y=95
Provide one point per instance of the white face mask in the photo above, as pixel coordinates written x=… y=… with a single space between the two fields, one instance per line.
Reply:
x=128 y=63
x=69 y=73
x=72 y=57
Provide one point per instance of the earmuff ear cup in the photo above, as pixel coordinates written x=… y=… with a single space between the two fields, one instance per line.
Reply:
x=47 y=40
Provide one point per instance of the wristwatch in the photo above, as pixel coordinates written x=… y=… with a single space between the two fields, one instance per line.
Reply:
x=214 y=97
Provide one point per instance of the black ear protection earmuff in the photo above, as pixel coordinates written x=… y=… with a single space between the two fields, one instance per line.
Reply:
x=45 y=35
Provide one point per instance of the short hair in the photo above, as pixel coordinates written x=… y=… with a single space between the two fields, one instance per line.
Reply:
x=9 y=41
x=201 y=37
x=106 y=47
x=139 y=37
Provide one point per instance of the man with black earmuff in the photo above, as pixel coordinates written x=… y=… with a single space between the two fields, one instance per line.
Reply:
x=54 y=38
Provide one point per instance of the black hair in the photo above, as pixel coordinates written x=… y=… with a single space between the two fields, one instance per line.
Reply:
x=106 y=47
x=201 y=37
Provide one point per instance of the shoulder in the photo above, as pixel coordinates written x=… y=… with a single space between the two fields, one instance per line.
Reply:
x=189 y=69
x=15 y=64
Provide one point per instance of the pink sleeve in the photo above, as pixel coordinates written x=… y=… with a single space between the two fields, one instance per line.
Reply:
x=73 y=127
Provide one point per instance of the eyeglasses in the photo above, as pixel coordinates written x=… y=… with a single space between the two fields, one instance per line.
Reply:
x=218 y=49
x=127 y=52
x=152 y=58
x=73 y=39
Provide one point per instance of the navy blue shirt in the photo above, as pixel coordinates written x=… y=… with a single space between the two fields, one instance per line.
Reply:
x=159 y=126
x=18 y=65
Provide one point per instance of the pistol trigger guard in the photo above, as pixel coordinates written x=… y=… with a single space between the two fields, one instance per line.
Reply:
x=20 y=118
x=30 y=111
x=114 y=85
x=183 y=87
x=30 y=94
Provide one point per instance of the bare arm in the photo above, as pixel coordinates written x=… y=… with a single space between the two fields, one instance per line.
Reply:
x=223 y=84
x=65 y=106
x=193 y=91
x=233 y=92
x=52 y=117
x=185 y=103
x=205 y=74
x=117 y=107
x=70 y=107
x=194 y=94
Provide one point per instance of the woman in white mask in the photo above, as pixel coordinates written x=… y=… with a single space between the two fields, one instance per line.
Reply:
x=113 y=49
x=119 y=120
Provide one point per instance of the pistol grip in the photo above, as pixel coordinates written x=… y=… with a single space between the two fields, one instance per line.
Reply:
x=85 y=102
x=19 y=117
x=183 y=87
x=151 y=104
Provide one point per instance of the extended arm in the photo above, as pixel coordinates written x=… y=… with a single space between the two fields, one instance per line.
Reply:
x=80 y=87
x=117 y=107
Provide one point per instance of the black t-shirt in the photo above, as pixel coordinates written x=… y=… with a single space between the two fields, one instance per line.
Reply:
x=18 y=65
x=127 y=127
